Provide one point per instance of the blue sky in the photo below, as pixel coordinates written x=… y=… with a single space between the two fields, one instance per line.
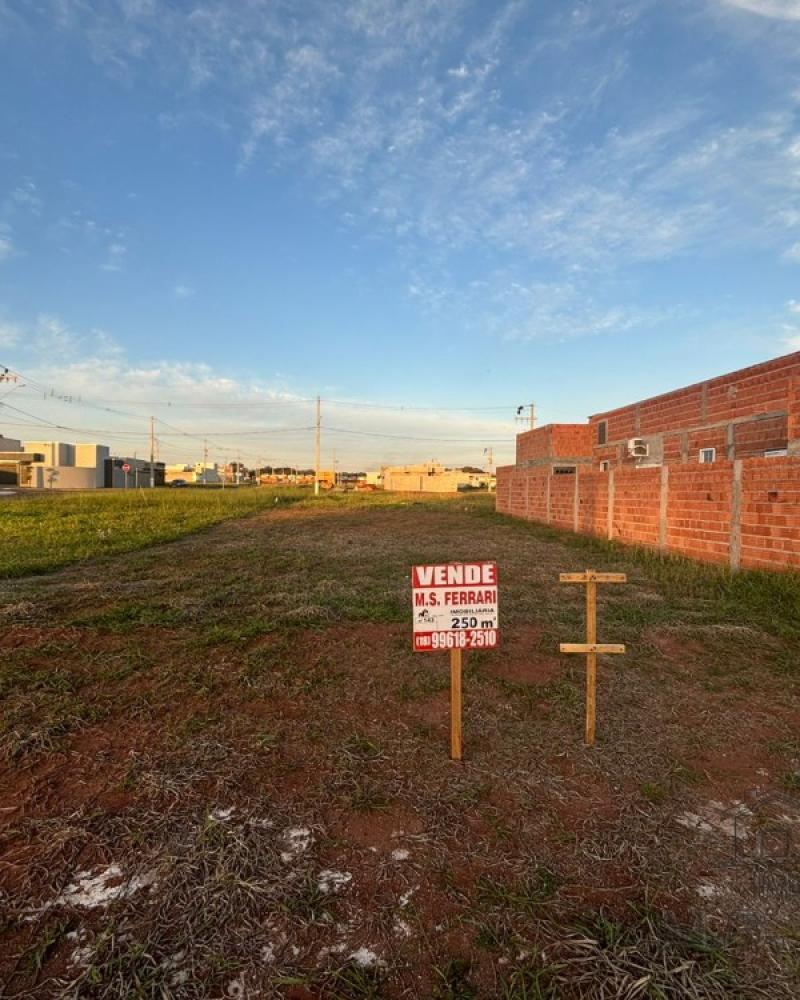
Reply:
x=430 y=203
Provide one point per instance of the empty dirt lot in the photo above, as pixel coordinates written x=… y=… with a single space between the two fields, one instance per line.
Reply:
x=225 y=773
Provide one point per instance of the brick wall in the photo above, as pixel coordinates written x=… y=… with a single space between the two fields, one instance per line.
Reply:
x=770 y=514
x=554 y=441
x=744 y=513
x=760 y=405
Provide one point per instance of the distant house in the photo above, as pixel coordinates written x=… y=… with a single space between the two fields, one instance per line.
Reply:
x=431 y=477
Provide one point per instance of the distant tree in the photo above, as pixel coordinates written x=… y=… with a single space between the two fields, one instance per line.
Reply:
x=471 y=468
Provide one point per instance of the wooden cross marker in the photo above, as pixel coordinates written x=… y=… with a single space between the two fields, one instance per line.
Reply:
x=591 y=647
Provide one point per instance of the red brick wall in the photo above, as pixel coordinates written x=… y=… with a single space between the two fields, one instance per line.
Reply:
x=562 y=501
x=636 y=505
x=771 y=512
x=593 y=503
x=699 y=507
x=534 y=444
x=571 y=440
x=555 y=441
x=757 y=436
x=767 y=388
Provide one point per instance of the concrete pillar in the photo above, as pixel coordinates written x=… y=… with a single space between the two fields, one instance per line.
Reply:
x=576 y=504
x=527 y=496
x=736 y=516
x=730 y=442
x=662 y=508
x=610 y=527
x=549 y=480
x=793 y=434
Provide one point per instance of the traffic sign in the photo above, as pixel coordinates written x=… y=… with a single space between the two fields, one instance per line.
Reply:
x=126 y=468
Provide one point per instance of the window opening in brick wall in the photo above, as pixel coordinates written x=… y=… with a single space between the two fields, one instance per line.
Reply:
x=708 y=455
x=602 y=432
x=605 y=465
x=563 y=470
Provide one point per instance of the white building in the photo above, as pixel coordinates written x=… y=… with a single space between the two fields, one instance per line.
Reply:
x=200 y=472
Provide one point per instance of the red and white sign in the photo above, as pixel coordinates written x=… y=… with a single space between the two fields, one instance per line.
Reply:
x=126 y=468
x=455 y=606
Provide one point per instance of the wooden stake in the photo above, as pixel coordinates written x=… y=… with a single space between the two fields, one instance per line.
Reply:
x=455 y=704
x=591 y=647
x=591 y=659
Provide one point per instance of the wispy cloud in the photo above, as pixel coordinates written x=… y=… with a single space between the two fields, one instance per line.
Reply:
x=6 y=243
x=9 y=335
x=182 y=291
x=269 y=419
x=792 y=253
x=787 y=10
x=411 y=117
x=24 y=196
x=116 y=253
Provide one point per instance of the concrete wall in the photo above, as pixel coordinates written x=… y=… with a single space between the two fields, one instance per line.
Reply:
x=55 y=452
x=10 y=444
x=67 y=478
x=420 y=482
x=744 y=513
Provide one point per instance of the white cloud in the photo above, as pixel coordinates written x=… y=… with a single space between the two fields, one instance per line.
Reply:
x=116 y=254
x=182 y=291
x=9 y=335
x=793 y=252
x=793 y=306
x=6 y=243
x=786 y=10
x=100 y=392
x=54 y=341
x=26 y=196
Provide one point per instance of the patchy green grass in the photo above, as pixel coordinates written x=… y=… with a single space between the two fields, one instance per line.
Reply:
x=43 y=533
x=240 y=722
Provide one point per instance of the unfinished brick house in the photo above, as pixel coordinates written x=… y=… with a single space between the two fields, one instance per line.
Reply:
x=711 y=471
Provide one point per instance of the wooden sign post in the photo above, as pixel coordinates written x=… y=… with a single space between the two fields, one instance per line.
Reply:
x=455 y=609
x=455 y=704
x=591 y=647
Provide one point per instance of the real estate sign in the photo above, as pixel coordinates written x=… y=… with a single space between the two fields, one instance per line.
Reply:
x=454 y=606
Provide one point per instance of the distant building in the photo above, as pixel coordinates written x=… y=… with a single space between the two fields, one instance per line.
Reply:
x=200 y=472
x=61 y=465
x=710 y=471
x=431 y=477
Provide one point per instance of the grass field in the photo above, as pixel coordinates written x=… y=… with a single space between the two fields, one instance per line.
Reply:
x=43 y=533
x=225 y=773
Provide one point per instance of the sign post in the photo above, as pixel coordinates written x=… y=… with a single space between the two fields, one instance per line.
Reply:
x=126 y=469
x=591 y=647
x=455 y=609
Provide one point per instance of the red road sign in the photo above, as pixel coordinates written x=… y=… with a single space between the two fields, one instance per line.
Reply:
x=126 y=468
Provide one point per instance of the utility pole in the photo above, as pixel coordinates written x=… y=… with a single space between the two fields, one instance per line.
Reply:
x=152 y=452
x=316 y=452
x=531 y=408
x=489 y=458
x=238 y=467
x=205 y=458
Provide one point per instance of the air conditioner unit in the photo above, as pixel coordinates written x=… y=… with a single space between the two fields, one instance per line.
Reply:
x=638 y=448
